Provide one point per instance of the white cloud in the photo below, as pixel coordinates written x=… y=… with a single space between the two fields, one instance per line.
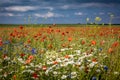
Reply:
x=21 y=8
x=85 y=5
x=47 y=7
x=65 y=7
x=27 y=8
x=92 y=5
x=78 y=13
x=6 y=14
x=10 y=14
x=48 y=15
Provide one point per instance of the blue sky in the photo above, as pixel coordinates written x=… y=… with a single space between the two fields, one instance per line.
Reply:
x=58 y=11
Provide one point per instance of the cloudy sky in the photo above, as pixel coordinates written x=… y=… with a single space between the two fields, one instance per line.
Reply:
x=58 y=11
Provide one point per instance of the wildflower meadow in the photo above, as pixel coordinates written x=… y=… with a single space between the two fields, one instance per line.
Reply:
x=53 y=52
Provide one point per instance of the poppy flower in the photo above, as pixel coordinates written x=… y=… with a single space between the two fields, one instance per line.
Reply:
x=21 y=27
x=4 y=56
x=58 y=30
x=63 y=45
x=110 y=50
x=94 y=60
x=1 y=43
x=28 y=41
x=67 y=56
x=51 y=30
x=22 y=55
x=115 y=44
x=93 y=42
x=63 y=33
x=44 y=68
x=35 y=36
x=35 y=75
x=69 y=39
x=55 y=62
x=31 y=57
x=83 y=42
x=14 y=77
x=28 y=61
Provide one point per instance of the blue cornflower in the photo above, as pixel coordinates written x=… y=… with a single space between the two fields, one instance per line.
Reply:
x=100 y=49
x=1 y=48
x=94 y=78
x=6 y=42
x=33 y=51
x=105 y=68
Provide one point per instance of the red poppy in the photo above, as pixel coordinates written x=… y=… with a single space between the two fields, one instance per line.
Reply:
x=94 y=60
x=83 y=42
x=4 y=55
x=67 y=56
x=44 y=68
x=1 y=43
x=51 y=30
x=55 y=62
x=110 y=50
x=28 y=61
x=22 y=55
x=115 y=44
x=63 y=33
x=31 y=57
x=69 y=39
x=35 y=75
x=93 y=42
x=14 y=77
x=21 y=27
x=39 y=34
x=29 y=41
x=0 y=39
x=58 y=30
x=63 y=45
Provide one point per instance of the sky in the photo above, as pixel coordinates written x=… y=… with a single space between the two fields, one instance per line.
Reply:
x=58 y=11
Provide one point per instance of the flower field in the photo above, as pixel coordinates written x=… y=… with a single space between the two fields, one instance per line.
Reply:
x=60 y=53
